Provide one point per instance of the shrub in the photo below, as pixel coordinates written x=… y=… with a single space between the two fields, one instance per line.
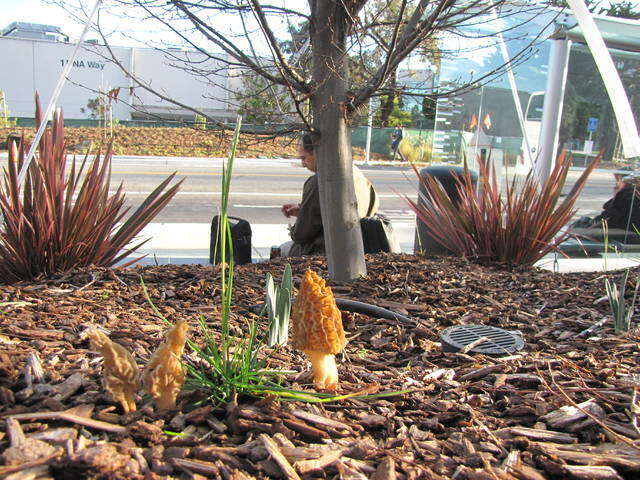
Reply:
x=200 y=122
x=519 y=227
x=416 y=150
x=56 y=222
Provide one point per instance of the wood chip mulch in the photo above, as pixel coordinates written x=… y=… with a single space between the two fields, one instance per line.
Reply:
x=561 y=408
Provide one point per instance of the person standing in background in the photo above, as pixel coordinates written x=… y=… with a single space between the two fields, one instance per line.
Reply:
x=396 y=138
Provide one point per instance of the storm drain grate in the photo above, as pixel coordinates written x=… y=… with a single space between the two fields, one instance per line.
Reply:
x=498 y=341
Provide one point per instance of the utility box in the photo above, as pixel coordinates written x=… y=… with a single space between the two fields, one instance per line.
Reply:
x=447 y=176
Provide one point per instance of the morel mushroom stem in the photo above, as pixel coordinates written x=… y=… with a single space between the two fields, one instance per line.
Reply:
x=325 y=371
x=317 y=329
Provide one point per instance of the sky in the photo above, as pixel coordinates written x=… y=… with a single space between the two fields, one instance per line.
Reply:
x=36 y=11
x=45 y=12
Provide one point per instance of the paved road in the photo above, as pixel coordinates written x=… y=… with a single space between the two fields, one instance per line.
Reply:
x=261 y=186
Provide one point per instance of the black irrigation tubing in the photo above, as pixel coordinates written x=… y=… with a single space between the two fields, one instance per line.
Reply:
x=370 y=310
x=355 y=307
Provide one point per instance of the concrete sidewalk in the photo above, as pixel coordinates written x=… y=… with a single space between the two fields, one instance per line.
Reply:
x=189 y=243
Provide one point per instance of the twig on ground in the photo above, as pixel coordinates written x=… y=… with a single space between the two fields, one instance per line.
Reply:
x=588 y=414
x=73 y=418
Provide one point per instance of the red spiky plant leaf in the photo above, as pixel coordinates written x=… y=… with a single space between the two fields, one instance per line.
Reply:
x=57 y=222
x=518 y=227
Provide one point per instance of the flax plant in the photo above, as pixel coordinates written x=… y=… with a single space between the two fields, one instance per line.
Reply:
x=518 y=227
x=59 y=221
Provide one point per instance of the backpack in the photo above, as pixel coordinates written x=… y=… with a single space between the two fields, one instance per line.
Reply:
x=240 y=236
x=377 y=235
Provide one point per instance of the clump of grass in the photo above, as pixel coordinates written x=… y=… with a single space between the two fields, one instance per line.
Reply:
x=619 y=310
x=416 y=150
x=226 y=366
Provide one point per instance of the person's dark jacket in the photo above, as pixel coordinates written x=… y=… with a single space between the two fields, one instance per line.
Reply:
x=616 y=210
x=307 y=233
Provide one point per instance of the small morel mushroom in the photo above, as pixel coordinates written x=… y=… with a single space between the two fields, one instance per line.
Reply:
x=317 y=329
x=164 y=375
x=119 y=370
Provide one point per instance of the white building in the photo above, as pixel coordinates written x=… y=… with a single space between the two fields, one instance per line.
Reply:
x=34 y=65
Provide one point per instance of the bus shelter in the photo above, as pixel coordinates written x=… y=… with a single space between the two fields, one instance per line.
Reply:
x=560 y=78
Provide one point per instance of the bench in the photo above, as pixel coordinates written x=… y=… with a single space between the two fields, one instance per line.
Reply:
x=590 y=242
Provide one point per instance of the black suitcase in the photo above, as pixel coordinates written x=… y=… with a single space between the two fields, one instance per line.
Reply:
x=378 y=235
x=240 y=236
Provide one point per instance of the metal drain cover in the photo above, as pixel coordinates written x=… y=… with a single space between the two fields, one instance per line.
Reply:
x=498 y=341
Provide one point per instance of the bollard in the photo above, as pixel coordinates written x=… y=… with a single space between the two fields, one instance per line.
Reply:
x=446 y=175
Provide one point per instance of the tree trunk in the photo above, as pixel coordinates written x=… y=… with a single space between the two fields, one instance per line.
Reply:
x=342 y=235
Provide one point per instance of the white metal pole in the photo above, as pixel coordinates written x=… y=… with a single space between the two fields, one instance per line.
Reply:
x=552 y=108
x=478 y=129
x=369 y=125
x=506 y=58
x=55 y=95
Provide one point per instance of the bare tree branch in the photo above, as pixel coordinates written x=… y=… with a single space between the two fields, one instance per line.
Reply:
x=228 y=47
x=171 y=100
x=282 y=63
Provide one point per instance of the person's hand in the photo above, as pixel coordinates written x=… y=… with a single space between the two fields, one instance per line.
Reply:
x=290 y=210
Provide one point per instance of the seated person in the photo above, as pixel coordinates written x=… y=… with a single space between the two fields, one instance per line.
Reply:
x=622 y=212
x=307 y=234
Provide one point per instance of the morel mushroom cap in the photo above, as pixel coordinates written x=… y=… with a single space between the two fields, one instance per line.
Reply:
x=119 y=370
x=317 y=329
x=164 y=375
x=317 y=322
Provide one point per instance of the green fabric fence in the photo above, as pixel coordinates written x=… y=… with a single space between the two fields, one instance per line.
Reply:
x=416 y=144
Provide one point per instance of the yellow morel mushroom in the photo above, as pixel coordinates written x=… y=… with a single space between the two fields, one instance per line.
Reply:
x=164 y=375
x=119 y=370
x=317 y=329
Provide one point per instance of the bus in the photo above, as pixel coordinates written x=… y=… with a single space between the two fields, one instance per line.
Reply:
x=533 y=123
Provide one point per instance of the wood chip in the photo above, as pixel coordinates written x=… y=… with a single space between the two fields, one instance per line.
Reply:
x=197 y=466
x=536 y=434
x=308 y=466
x=592 y=473
x=386 y=470
x=564 y=416
x=278 y=457
x=68 y=416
